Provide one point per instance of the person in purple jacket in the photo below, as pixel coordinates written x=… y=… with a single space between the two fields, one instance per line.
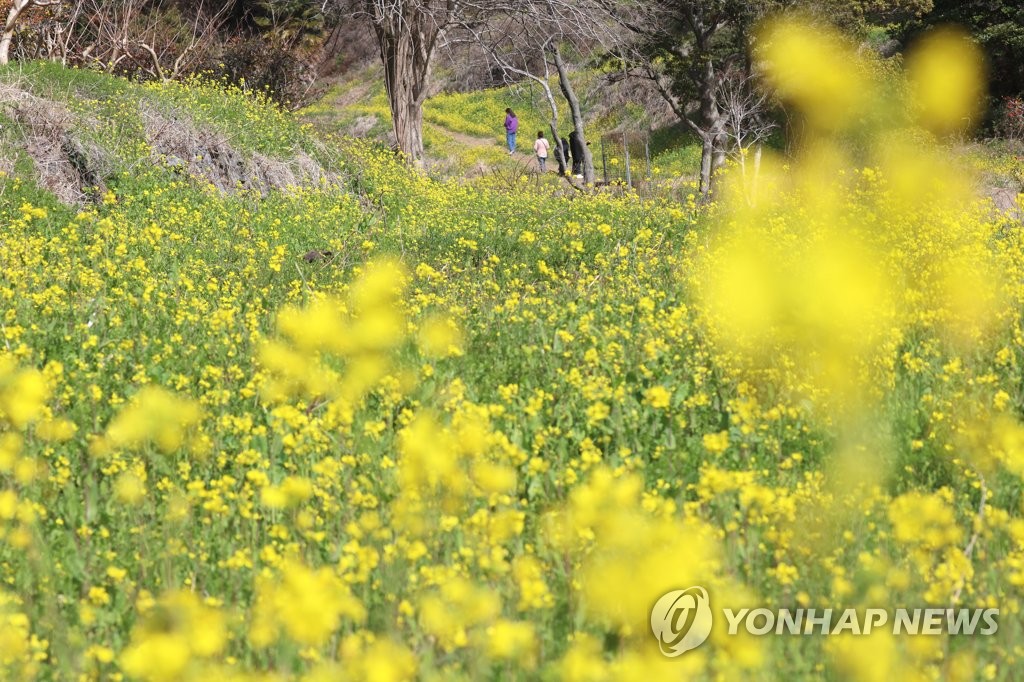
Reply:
x=511 y=128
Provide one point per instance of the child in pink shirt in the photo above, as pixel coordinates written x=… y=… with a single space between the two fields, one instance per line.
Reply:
x=541 y=147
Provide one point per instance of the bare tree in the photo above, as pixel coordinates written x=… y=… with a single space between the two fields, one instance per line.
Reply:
x=408 y=33
x=141 y=36
x=525 y=40
x=745 y=102
x=14 y=16
x=131 y=35
x=516 y=63
x=53 y=37
x=196 y=39
x=684 y=47
x=577 y=113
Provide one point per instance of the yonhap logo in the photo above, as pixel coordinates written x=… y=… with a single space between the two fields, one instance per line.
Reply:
x=681 y=620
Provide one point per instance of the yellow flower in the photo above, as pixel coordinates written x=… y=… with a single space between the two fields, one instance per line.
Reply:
x=440 y=337
x=457 y=606
x=98 y=596
x=382 y=661
x=116 y=573
x=946 y=73
x=157 y=657
x=533 y=590
x=597 y=412
x=658 y=397
x=509 y=640
x=716 y=443
x=129 y=489
x=23 y=393
x=154 y=415
x=100 y=653
x=924 y=520
x=172 y=632
x=583 y=662
x=305 y=604
x=292 y=492
x=817 y=69
x=56 y=430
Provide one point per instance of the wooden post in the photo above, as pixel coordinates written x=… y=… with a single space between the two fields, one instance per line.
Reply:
x=604 y=162
x=647 y=154
x=625 y=147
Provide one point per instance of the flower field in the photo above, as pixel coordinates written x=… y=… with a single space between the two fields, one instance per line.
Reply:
x=484 y=434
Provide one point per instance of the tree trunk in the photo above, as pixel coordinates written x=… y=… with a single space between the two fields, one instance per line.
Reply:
x=406 y=34
x=9 y=26
x=718 y=144
x=712 y=155
x=404 y=97
x=577 y=115
x=556 y=141
x=707 y=151
x=5 y=46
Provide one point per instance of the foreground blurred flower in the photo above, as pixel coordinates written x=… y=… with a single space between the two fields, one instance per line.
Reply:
x=23 y=393
x=173 y=632
x=947 y=75
x=153 y=415
x=307 y=605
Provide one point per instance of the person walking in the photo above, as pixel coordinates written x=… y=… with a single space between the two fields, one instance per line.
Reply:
x=576 y=148
x=511 y=128
x=541 y=148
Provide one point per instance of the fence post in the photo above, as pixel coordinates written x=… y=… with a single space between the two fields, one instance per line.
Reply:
x=625 y=147
x=604 y=163
x=647 y=153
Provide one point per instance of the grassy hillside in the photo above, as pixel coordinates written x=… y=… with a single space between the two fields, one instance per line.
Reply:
x=464 y=134
x=284 y=409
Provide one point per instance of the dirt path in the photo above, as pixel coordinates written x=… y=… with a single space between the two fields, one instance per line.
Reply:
x=338 y=112
x=468 y=140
